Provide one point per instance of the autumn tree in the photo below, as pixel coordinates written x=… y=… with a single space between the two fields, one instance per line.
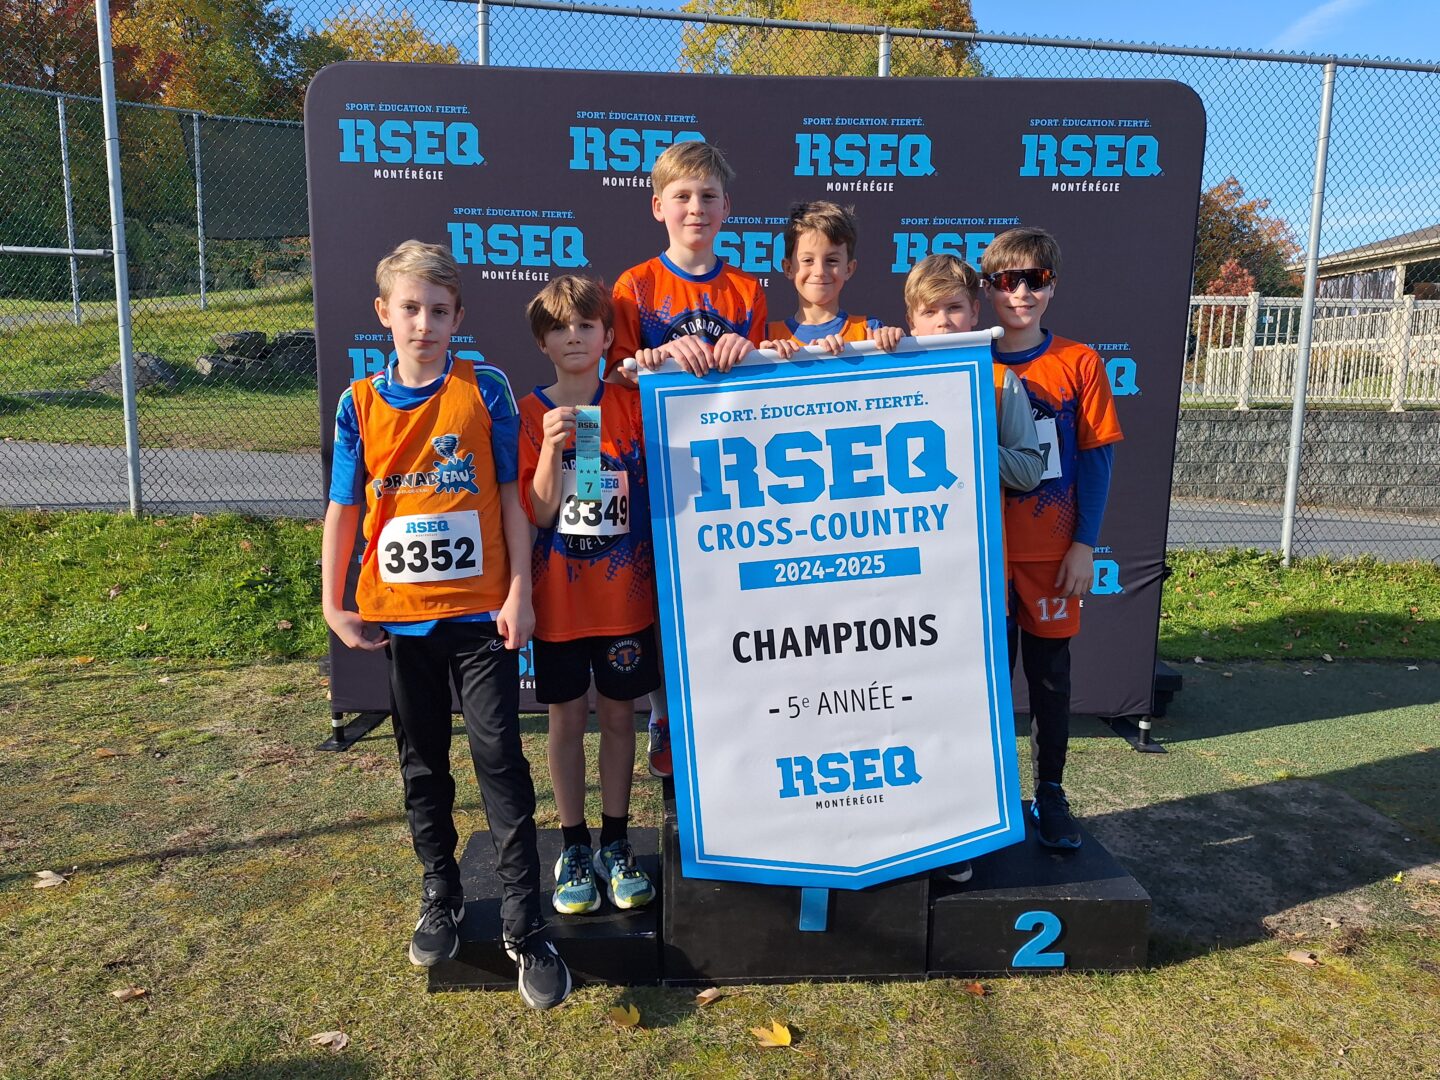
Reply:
x=51 y=45
x=747 y=50
x=1234 y=228
x=381 y=35
x=235 y=57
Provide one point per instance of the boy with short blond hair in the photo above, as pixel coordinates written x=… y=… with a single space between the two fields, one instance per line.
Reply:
x=1051 y=532
x=427 y=448
x=594 y=571
x=942 y=296
x=819 y=259
x=686 y=304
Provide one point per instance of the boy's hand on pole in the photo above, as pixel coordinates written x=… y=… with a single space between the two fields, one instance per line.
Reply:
x=834 y=344
x=1077 y=571
x=729 y=350
x=887 y=337
x=692 y=353
x=785 y=348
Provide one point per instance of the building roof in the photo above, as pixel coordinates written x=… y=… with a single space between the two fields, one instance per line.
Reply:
x=1407 y=247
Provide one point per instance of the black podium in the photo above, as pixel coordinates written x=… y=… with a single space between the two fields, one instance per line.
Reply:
x=1027 y=910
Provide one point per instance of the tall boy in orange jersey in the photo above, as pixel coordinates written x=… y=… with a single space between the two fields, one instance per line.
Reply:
x=594 y=579
x=819 y=259
x=1051 y=531
x=942 y=296
x=444 y=589
x=686 y=303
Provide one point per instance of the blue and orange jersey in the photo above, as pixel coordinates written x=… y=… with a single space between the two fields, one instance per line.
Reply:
x=657 y=302
x=849 y=327
x=593 y=570
x=434 y=541
x=1074 y=411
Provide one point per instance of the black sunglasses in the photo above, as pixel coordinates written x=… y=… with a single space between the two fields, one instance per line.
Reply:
x=1009 y=280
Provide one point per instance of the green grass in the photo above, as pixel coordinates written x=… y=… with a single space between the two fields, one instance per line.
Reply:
x=261 y=893
x=200 y=414
x=1225 y=605
x=240 y=577
x=215 y=587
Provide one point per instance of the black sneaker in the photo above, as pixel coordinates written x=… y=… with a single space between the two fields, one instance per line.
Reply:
x=435 y=936
x=1051 y=811
x=543 y=978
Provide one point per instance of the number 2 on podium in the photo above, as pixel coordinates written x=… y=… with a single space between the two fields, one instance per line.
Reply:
x=1032 y=954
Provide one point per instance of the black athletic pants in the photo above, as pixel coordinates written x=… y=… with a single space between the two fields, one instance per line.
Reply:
x=1047 y=674
x=487 y=676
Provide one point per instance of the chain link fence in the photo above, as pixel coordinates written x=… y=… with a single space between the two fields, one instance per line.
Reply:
x=213 y=175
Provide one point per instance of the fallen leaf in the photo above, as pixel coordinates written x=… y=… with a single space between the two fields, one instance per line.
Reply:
x=284 y=624
x=129 y=993
x=47 y=879
x=163 y=679
x=1301 y=956
x=1287 y=646
x=1199 y=659
x=1307 y=673
x=142 y=627
x=777 y=1034
x=624 y=1016
x=1327 y=658
x=1399 y=877
x=105 y=751
x=334 y=1040
x=1412 y=667
x=709 y=996
x=1331 y=923
x=246 y=545
x=115 y=590
x=974 y=988
x=84 y=659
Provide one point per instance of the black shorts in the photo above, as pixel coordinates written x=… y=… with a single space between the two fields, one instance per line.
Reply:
x=625 y=667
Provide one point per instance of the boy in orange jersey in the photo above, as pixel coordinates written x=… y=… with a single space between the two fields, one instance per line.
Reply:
x=1050 y=532
x=594 y=588
x=444 y=589
x=687 y=304
x=942 y=296
x=819 y=259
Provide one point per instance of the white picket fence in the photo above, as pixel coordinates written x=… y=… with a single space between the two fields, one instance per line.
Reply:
x=1242 y=351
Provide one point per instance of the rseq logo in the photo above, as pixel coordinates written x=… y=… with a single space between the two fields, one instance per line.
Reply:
x=911 y=247
x=877 y=153
x=622 y=149
x=503 y=244
x=365 y=362
x=756 y=251
x=1090 y=155
x=410 y=142
x=1122 y=371
x=1107 y=578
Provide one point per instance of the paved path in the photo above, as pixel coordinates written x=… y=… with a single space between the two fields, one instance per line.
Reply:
x=59 y=476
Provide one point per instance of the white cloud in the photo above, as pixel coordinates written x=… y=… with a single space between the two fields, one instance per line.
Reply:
x=1315 y=23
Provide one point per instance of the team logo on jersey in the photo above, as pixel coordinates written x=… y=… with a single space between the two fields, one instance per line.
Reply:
x=624 y=655
x=454 y=473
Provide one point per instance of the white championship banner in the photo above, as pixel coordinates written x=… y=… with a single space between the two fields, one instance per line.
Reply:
x=831 y=587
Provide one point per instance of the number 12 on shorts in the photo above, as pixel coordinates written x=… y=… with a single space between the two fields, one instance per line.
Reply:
x=1053 y=608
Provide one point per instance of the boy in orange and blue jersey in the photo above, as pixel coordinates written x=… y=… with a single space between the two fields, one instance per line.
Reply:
x=444 y=589
x=686 y=304
x=819 y=259
x=1050 y=532
x=594 y=580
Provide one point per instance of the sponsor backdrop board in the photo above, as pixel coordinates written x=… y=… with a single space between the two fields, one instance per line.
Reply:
x=831 y=590
x=529 y=173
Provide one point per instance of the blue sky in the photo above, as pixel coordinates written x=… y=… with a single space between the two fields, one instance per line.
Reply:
x=1384 y=168
x=1397 y=29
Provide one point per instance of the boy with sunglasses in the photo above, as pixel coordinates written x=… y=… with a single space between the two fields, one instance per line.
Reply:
x=1050 y=531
